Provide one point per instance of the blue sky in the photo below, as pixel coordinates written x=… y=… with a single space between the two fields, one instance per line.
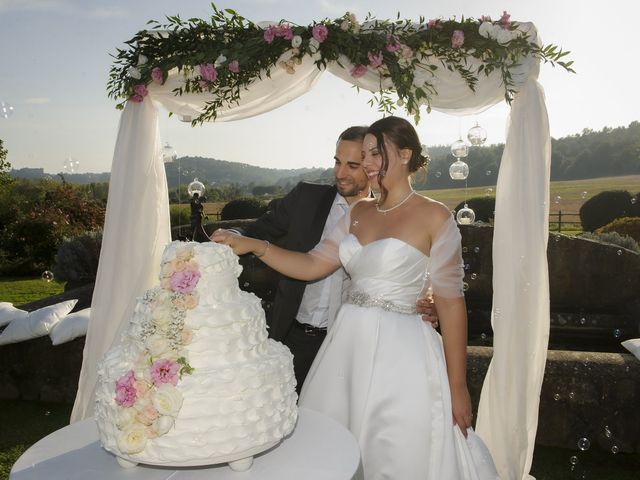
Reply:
x=54 y=63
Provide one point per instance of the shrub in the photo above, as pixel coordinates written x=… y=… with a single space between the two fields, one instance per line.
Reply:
x=629 y=226
x=77 y=259
x=243 y=208
x=483 y=207
x=179 y=215
x=613 y=238
x=605 y=207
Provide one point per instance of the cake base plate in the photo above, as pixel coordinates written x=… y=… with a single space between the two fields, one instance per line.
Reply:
x=200 y=462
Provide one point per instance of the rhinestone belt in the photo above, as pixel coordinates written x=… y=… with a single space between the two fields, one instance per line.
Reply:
x=365 y=300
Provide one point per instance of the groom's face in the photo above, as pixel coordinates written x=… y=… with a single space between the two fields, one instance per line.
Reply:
x=351 y=179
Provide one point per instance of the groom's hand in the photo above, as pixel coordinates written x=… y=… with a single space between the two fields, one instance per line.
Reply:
x=427 y=308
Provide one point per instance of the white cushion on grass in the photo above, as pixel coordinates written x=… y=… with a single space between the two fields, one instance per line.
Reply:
x=633 y=346
x=72 y=326
x=9 y=313
x=37 y=323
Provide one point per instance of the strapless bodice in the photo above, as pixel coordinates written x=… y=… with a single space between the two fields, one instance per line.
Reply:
x=388 y=268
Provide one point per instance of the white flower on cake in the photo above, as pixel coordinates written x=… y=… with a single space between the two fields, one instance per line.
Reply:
x=157 y=345
x=167 y=400
x=125 y=418
x=132 y=440
x=163 y=424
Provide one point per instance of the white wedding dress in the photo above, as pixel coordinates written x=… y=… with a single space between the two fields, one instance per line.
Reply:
x=381 y=370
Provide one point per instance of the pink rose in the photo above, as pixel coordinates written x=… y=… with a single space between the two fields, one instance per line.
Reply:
x=358 y=71
x=320 y=33
x=186 y=336
x=208 y=72
x=141 y=90
x=406 y=51
x=434 y=23
x=375 y=60
x=457 y=39
x=234 y=66
x=157 y=75
x=504 y=19
x=164 y=371
x=142 y=387
x=184 y=281
x=125 y=390
x=285 y=32
x=136 y=98
x=393 y=45
x=269 y=34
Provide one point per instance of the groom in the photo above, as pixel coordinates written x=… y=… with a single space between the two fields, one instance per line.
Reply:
x=303 y=311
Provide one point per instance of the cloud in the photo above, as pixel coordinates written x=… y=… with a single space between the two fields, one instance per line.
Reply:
x=37 y=100
x=336 y=9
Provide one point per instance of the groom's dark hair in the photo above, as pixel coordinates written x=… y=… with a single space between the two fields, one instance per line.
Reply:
x=353 y=133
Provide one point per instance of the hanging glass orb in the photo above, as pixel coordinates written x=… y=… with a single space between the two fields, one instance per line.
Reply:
x=477 y=135
x=459 y=149
x=459 y=170
x=195 y=187
x=6 y=110
x=168 y=153
x=465 y=216
x=70 y=165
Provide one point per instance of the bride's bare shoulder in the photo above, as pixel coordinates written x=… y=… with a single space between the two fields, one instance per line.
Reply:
x=434 y=213
x=362 y=205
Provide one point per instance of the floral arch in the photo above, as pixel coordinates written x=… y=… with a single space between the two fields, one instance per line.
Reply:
x=230 y=68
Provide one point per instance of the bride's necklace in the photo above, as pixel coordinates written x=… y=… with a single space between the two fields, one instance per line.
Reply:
x=387 y=210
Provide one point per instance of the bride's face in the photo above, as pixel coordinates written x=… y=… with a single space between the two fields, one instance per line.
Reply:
x=372 y=160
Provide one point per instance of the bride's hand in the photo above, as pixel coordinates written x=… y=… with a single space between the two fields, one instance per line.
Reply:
x=461 y=407
x=238 y=243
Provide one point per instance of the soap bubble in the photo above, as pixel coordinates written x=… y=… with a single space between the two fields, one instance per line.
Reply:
x=584 y=444
x=556 y=396
x=474 y=276
x=619 y=252
x=573 y=460
x=617 y=333
x=465 y=286
x=47 y=276
x=614 y=449
x=583 y=194
x=558 y=199
x=6 y=110
x=487 y=173
x=476 y=249
x=438 y=174
x=607 y=432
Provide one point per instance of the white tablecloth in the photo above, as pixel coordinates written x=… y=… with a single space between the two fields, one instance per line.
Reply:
x=318 y=449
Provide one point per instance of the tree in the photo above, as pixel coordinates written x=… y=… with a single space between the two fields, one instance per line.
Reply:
x=5 y=166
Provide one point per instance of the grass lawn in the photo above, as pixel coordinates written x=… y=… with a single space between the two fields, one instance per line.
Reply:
x=24 y=423
x=21 y=290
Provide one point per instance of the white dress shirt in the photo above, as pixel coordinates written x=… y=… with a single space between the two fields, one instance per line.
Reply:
x=322 y=298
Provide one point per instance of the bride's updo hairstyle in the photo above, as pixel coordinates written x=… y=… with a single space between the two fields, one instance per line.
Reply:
x=403 y=135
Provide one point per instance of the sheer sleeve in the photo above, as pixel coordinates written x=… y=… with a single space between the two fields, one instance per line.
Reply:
x=328 y=248
x=446 y=266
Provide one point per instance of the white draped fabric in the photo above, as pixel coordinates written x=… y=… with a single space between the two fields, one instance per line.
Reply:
x=137 y=228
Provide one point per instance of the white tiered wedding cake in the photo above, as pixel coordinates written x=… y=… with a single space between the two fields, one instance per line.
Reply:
x=194 y=379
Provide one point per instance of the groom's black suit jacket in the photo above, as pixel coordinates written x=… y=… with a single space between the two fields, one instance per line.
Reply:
x=294 y=222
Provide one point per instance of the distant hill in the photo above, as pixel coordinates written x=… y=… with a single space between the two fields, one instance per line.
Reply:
x=609 y=152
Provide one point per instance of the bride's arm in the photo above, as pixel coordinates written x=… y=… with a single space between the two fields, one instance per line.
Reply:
x=452 y=313
x=302 y=266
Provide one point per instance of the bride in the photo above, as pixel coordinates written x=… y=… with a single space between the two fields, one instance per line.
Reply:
x=382 y=372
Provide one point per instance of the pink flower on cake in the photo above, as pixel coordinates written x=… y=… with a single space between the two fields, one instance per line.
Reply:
x=147 y=414
x=184 y=281
x=164 y=371
x=375 y=60
x=125 y=390
x=457 y=39
x=186 y=336
x=208 y=72
x=358 y=71
x=234 y=66
x=157 y=75
x=320 y=33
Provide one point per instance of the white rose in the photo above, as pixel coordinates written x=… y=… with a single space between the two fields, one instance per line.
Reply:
x=167 y=400
x=132 y=440
x=344 y=25
x=157 y=345
x=134 y=73
x=125 y=418
x=163 y=424
x=504 y=36
x=142 y=60
x=162 y=315
x=314 y=45
x=485 y=29
x=296 y=41
x=220 y=60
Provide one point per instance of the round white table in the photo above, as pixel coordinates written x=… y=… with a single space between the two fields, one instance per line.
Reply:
x=318 y=449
